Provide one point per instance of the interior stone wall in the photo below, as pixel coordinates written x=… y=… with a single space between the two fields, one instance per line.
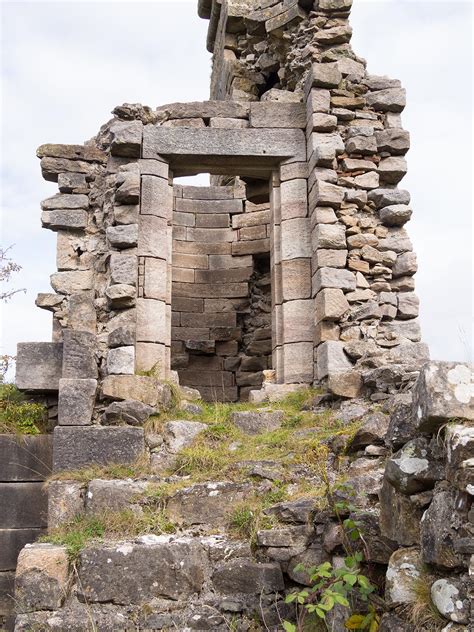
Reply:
x=216 y=310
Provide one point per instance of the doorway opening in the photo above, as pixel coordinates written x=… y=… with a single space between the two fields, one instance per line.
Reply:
x=221 y=336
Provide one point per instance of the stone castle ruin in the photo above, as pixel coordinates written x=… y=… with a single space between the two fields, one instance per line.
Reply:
x=292 y=269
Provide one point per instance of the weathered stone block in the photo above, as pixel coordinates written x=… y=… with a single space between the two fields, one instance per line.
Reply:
x=404 y=569
x=151 y=321
x=168 y=568
x=156 y=197
x=248 y=577
x=399 y=516
x=64 y=219
x=149 y=390
x=82 y=315
x=330 y=304
x=294 y=199
x=295 y=238
x=123 y=269
x=76 y=401
x=334 y=278
x=205 y=109
x=78 y=447
x=330 y=236
x=65 y=201
x=23 y=505
x=11 y=543
x=72 y=282
x=79 y=355
x=443 y=391
x=206 y=503
x=388 y=100
x=395 y=214
x=112 y=496
x=154 y=235
x=331 y=359
x=298 y=319
x=273 y=114
x=256 y=422
x=392 y=169
x=39 y=366
x=325 y=75
x=25 y=458
x=65 y=502
x=42 y=577
x=126 y=213
x=121 y=361
x=122 y=237
x=296 y=279
x=298 y=363
x=126 y=138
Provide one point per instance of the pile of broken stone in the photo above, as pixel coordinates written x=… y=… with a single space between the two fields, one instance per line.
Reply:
x=412 y=473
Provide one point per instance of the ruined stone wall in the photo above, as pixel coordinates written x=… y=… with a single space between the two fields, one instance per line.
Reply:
x=216 y=236
x=362 y=258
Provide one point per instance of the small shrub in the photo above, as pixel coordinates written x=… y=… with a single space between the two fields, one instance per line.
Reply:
x=19 y=416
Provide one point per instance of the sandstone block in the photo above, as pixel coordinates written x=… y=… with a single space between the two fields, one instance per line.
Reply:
x=113 y=496
x=387 y=197
x=151 y=321
x=79 y=355
x=330 y=236
x=248 y=577
x=124 y=269
x=65 y=501
x=128 y=183
x=126 y=138
x=72 y=281
x=298 y=363
x=395 y=214
x=443 y=391
x=294 y=199
x=11 y=543
x=295 y=238
x=156 y=279
x=27 y=459
x=121 y=361
x=405 y=265
x=298 y=319
x=408 y=305
x=121 y=296
x=205 y=109
x=129 y=412
x=75 y=448
x=388 y=100
x=168 y=568
x=72 y=152
x=273 y=114
x=392 y=170
x=365 y=145
x=296 y=279
x=331 y=359
x=330 y=304
x=206 y=503
x=320 y=122
x=395 y=141
x=121 y=237
x=156 y=197
x=42 y=577
x=149 y=390
x=76 y=401
x=82 y=314
x=65 y=201
x=333 y=278
x=255 y=246
x=38 y=366
x=345 y=384
x=24 y=505
x=328 y=258
x=256 y=422
x=325 y=75
x=64 y=219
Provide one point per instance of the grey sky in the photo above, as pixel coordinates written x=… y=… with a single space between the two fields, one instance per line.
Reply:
x=65 y=65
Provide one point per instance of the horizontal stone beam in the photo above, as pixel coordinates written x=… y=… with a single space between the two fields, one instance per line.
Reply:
x=220 y=150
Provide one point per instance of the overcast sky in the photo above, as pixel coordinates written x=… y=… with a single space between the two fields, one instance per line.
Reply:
x=65 y=65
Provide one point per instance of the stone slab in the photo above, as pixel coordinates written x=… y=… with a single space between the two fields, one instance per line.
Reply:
x=25 y=458
x=23 y=505
x=39 y=366
x=11 y=543
x=79 y=355
x=79 y=447
x=274 y=114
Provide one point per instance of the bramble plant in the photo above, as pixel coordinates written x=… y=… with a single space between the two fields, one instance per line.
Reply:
x=331 y=586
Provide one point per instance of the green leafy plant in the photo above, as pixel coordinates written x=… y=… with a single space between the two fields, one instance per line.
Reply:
x=19 y=416
x=343 y=586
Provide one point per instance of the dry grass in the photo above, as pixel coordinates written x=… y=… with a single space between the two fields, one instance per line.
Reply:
x=422 y=613
x=139 y=469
